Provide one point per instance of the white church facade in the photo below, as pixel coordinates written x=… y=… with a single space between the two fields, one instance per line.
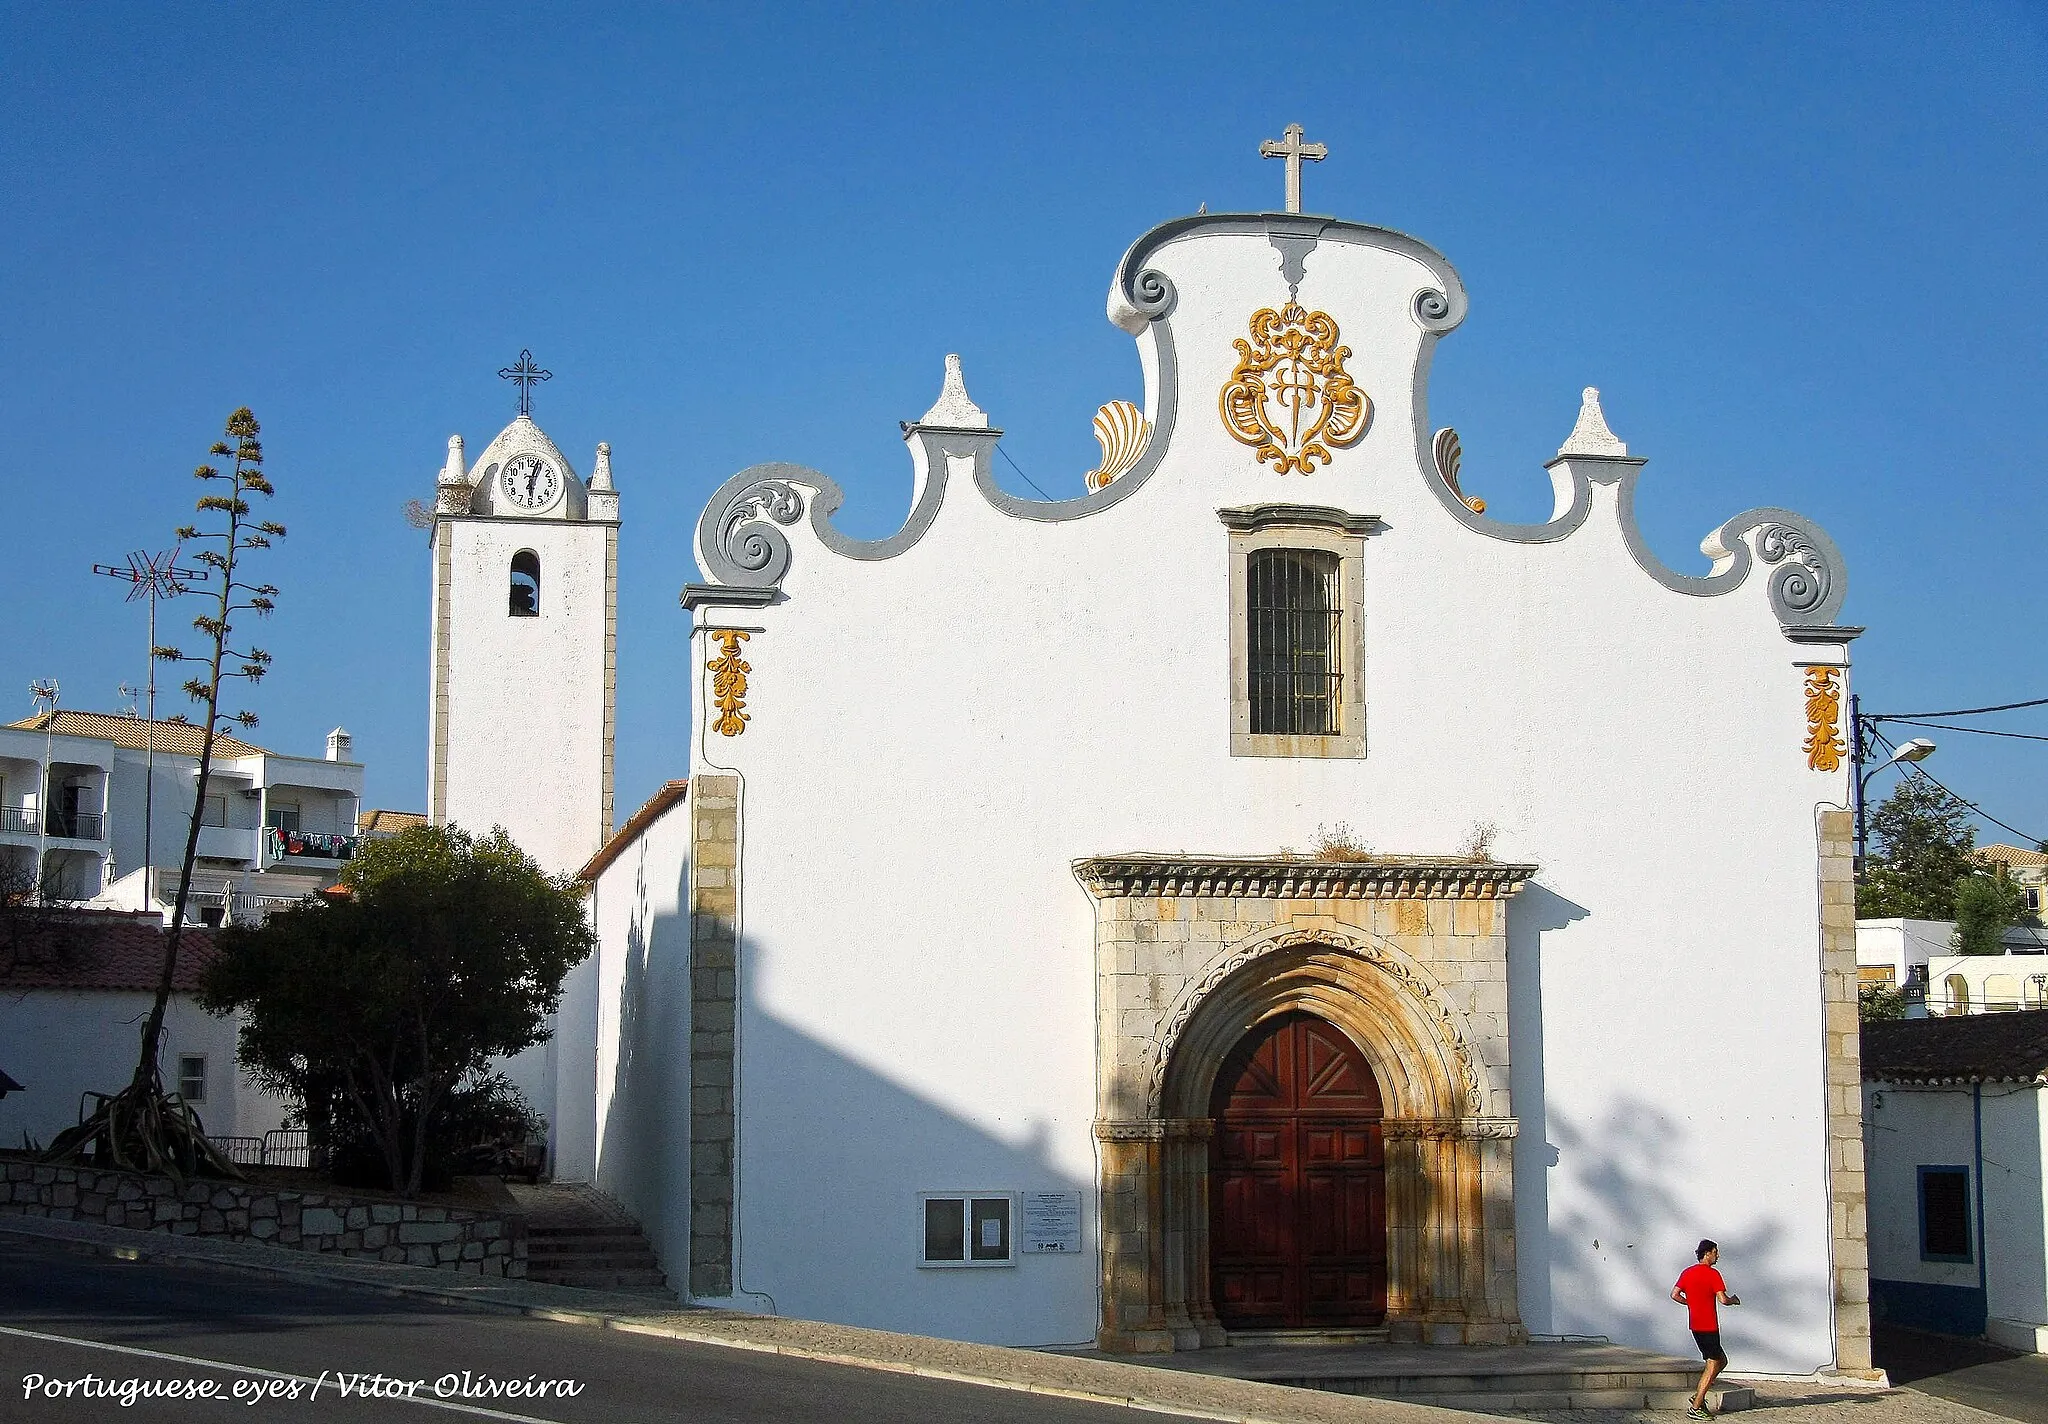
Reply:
x=1260 y=893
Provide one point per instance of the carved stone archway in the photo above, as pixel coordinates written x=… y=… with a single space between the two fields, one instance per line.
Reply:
x=1408 y=958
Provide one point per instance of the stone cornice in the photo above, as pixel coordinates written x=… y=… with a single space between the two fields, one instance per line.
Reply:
x=1274 y=878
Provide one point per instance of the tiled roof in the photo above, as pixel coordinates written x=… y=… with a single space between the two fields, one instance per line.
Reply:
x=2013 y=855
x=182 y=738
x=647 y=815
x=1964 y=1048
x=107 y=950
x=386 y=823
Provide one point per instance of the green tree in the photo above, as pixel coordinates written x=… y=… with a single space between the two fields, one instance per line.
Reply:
x=142 y=1127
x=1880 y=1001
x=438 y=952
x=1984 y=906
x=1923 y=842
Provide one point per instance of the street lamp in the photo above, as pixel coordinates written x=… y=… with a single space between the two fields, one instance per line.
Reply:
x=1918 y=749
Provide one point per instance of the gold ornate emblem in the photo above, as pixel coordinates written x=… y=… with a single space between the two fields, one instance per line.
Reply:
x=1824 y=746
x=729 y=682
x=1290 y=396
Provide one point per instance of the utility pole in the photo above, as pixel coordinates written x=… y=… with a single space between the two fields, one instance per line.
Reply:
x=151 y=576
x=44 y=691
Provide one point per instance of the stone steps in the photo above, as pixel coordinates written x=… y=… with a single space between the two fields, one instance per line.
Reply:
x=605 y=1257
x=1477 y=1378
x=1525 y=1394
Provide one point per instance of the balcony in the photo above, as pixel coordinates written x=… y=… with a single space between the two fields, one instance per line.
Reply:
x=76 y=825
x=280 y=844
x=227 y=843
x=18 y=820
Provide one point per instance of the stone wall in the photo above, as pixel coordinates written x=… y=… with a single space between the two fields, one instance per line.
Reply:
x=409 y=1233
x=1846 y=1190
x=714 y=991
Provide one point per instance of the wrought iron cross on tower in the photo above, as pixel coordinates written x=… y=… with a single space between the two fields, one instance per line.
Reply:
x=1294 y=151
x=526 y=375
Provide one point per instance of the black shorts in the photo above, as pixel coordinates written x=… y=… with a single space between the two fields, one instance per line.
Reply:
x=1710 y=1345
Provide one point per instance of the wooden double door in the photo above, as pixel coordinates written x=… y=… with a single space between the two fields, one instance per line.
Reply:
x=1298 y=1182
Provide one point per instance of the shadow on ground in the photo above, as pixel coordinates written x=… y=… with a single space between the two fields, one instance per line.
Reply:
x=1972 y=1372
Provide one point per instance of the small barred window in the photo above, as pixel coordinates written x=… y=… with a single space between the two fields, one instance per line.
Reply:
x=1293 y=640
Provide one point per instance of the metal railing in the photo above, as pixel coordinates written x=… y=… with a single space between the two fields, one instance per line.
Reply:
x=1294 y=637
x=280 y=1147
x=77 y=825
x=19 y=819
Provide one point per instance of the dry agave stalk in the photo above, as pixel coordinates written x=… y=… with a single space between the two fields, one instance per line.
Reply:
x=144 y=1128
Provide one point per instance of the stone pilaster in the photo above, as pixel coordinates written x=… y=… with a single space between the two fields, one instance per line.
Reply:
x=1844 y=1056
x=714 y=1001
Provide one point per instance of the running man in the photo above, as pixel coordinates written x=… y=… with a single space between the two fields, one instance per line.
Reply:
x=1701 y=1291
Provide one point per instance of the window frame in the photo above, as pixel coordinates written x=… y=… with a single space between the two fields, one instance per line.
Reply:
x=1969 y=1255
x=1311 y=529
x=184 y=1077
x=967 y=1201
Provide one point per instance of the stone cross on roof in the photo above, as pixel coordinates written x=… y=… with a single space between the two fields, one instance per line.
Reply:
x=1294 y=151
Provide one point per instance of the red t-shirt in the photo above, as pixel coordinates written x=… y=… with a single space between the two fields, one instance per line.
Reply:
x=1702 y=1285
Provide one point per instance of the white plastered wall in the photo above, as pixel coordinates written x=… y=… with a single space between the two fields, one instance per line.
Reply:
x=62 y=1043
x=641 y=1005
x=1908 y=1127
x=937 y=735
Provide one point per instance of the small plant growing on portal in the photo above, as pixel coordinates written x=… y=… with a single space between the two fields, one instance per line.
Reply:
x=142 y=1127
x=1479 y=841
x=1340 y=842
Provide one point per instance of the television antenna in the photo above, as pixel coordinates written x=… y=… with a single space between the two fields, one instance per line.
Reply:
x=151 y=576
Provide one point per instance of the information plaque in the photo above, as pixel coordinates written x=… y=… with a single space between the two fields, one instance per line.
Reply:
x=1052 y=1223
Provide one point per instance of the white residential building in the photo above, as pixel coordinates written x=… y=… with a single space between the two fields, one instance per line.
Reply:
x=1955 y=1118
x=94 y=813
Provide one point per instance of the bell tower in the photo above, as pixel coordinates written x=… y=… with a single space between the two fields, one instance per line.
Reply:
x=524 y=657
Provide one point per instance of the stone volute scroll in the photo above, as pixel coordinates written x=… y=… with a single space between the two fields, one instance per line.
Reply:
x=1807 y=582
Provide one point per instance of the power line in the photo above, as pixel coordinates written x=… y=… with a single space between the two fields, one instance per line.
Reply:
x=1914 y=768
x=1020 y=471
x=1958 y=712
x=1973 y=731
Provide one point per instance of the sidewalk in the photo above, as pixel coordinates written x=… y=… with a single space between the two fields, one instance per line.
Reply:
x=1037 y=1372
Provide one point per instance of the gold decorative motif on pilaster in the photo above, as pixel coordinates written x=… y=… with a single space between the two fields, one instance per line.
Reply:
x=1824 y=746
x=1289 y=396
x=729 y=682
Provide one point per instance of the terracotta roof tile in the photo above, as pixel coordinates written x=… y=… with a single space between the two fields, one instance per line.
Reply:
x=386 y=823
x=641 y=819
x=2013 y=855
x=182 y=738
x=1971 y=1048
x=107 y=950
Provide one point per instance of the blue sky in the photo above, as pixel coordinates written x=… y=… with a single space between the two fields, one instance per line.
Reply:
x=1798 y=248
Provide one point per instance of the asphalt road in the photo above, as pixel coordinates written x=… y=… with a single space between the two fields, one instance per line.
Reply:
x=275 y=1351
x=1971 y=1372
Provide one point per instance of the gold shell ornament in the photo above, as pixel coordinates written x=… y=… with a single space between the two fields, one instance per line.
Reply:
x=1289 y=397
x=1123 y=433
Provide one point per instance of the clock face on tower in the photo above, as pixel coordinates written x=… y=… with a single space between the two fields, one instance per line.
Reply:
x=530 y=482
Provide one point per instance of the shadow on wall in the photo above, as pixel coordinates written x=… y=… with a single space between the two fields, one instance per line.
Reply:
x=835 y=1235
x=1613 y=1260
x=643 y=1152
x=1532 y=914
